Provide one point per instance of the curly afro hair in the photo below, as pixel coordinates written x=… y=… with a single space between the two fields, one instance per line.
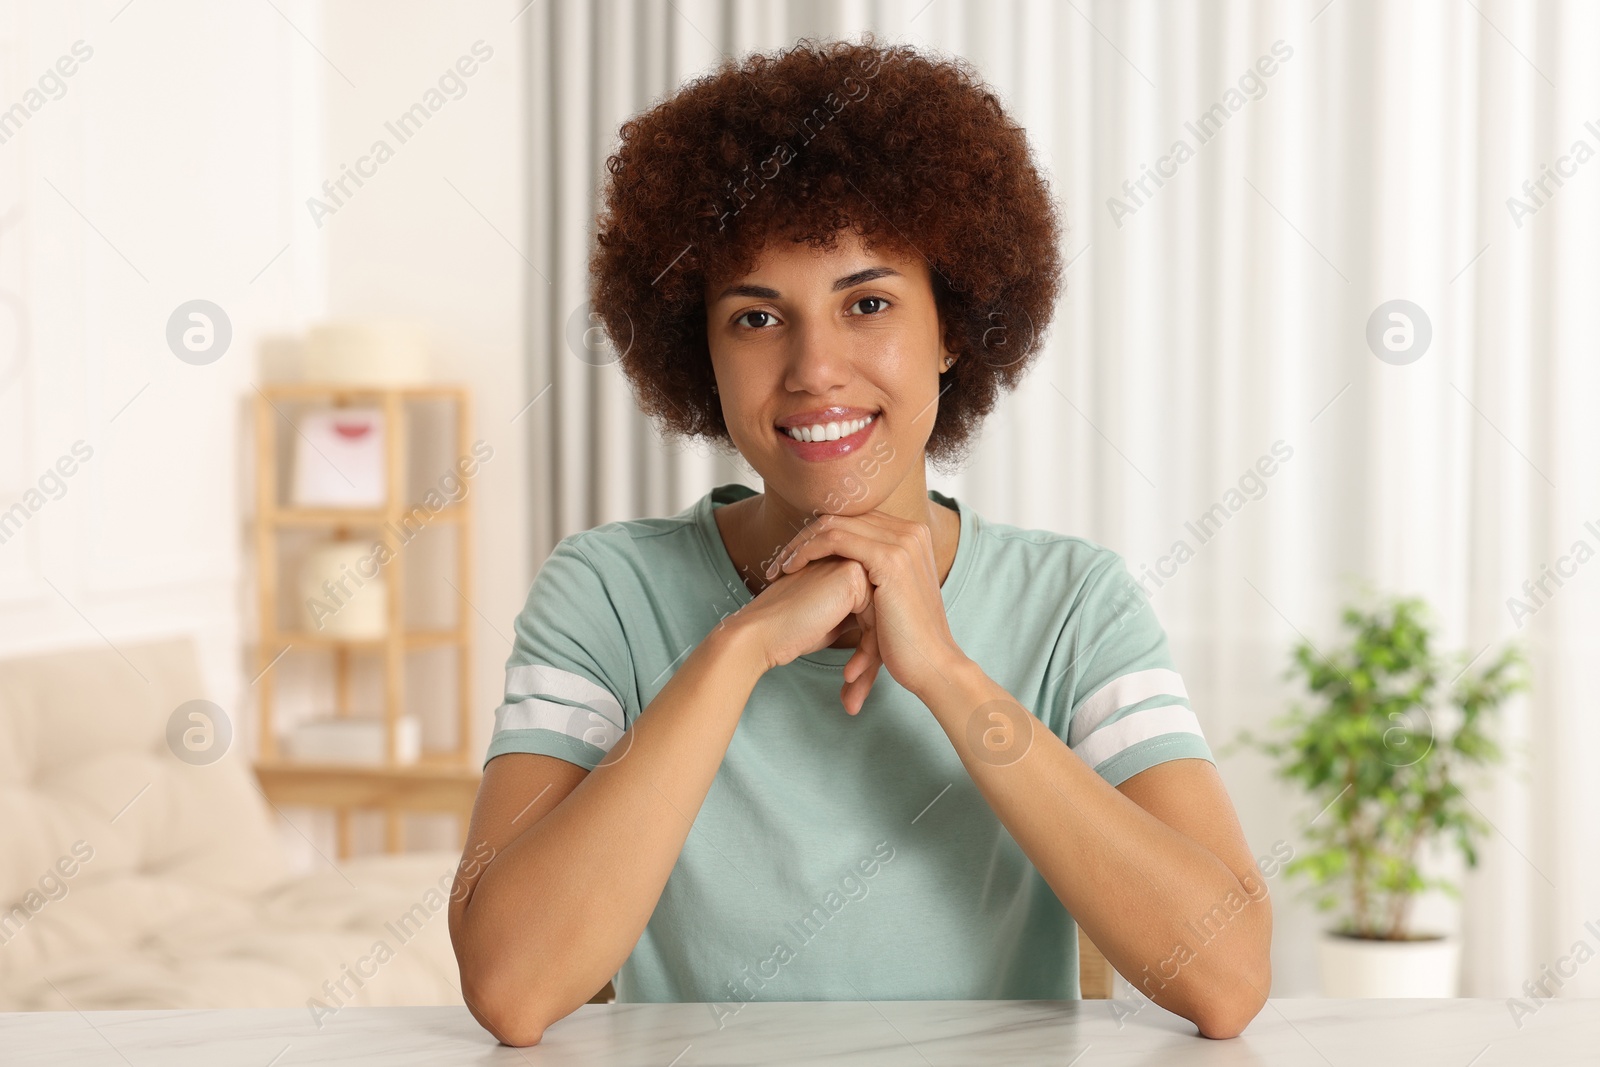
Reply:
x=913 y=152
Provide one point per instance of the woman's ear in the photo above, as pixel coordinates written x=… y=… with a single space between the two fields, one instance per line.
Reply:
x=948 y=357
x=948 y=354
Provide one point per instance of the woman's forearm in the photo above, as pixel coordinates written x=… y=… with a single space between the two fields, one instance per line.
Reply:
x=1137 y=887
x=559 y=908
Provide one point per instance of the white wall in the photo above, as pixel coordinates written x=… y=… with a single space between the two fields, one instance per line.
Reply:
x=160 y=175
x=177 y=165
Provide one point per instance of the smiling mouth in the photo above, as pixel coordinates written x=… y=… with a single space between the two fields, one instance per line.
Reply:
x=830 y=431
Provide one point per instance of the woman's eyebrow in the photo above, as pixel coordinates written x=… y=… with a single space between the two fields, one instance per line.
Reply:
x=762 y=292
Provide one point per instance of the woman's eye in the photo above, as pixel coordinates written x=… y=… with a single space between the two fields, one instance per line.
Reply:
x=875 y=305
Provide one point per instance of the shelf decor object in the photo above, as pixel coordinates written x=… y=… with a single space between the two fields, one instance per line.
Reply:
x=352 y=739
x=352 y=604
x=366 y=352
x=339 y=458
x=342 y=591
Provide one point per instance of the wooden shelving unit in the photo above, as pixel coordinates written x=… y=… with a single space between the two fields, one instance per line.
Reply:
x=442 y=780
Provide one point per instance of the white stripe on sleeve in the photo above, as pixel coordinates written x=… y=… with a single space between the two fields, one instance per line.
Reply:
x=1120 y=693
x=581 y=723
x=599 y=721
x=1139 y=726
x=538 y=679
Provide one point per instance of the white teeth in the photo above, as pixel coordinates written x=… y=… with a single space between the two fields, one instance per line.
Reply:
x=830 y=432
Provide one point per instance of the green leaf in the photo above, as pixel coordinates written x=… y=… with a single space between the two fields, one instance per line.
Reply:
x=1366 y=750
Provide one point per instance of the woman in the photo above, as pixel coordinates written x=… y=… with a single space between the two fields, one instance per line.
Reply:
x=834 y=258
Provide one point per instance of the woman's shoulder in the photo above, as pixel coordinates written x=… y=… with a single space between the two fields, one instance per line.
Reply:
x=1032 y=547
x=632 y=539
x=1076 y=576
x=660 y=534
x=650 y=550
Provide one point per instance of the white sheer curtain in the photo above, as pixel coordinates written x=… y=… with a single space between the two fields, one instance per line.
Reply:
x=1224 y=313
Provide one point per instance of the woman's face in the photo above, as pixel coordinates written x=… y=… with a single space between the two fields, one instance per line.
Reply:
x=812 y=339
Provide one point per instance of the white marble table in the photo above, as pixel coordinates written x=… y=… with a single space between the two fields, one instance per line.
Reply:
x=1287 y=1033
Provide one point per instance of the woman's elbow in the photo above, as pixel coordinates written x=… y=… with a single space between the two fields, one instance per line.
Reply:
x=504 y=1009
x=504 y=1003
x=1225 y=1023
x=1227 y=1016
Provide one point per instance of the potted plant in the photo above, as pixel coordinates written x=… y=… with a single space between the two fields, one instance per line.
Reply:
x=1383 y=758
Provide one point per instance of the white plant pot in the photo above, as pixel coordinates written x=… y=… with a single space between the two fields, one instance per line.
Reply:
x=1355 y=967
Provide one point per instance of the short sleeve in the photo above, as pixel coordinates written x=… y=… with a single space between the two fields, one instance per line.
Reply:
x=570 y=672
x=1129 y=708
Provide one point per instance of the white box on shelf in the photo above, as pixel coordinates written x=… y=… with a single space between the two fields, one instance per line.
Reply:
x=339 y=458
x=352 y=739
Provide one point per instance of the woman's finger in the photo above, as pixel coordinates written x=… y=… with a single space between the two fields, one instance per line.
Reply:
x=866 y=654
x=869 y=661
x=864 y=542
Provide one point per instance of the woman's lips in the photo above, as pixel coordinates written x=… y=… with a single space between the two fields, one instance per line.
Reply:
x=816 y=451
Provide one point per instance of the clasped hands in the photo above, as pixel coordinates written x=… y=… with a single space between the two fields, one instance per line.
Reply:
x=899 y=606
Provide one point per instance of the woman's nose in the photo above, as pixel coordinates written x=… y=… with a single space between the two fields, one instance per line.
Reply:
x=817 y=361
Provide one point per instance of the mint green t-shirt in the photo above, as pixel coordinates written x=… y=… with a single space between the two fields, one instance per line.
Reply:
x=840 y=857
